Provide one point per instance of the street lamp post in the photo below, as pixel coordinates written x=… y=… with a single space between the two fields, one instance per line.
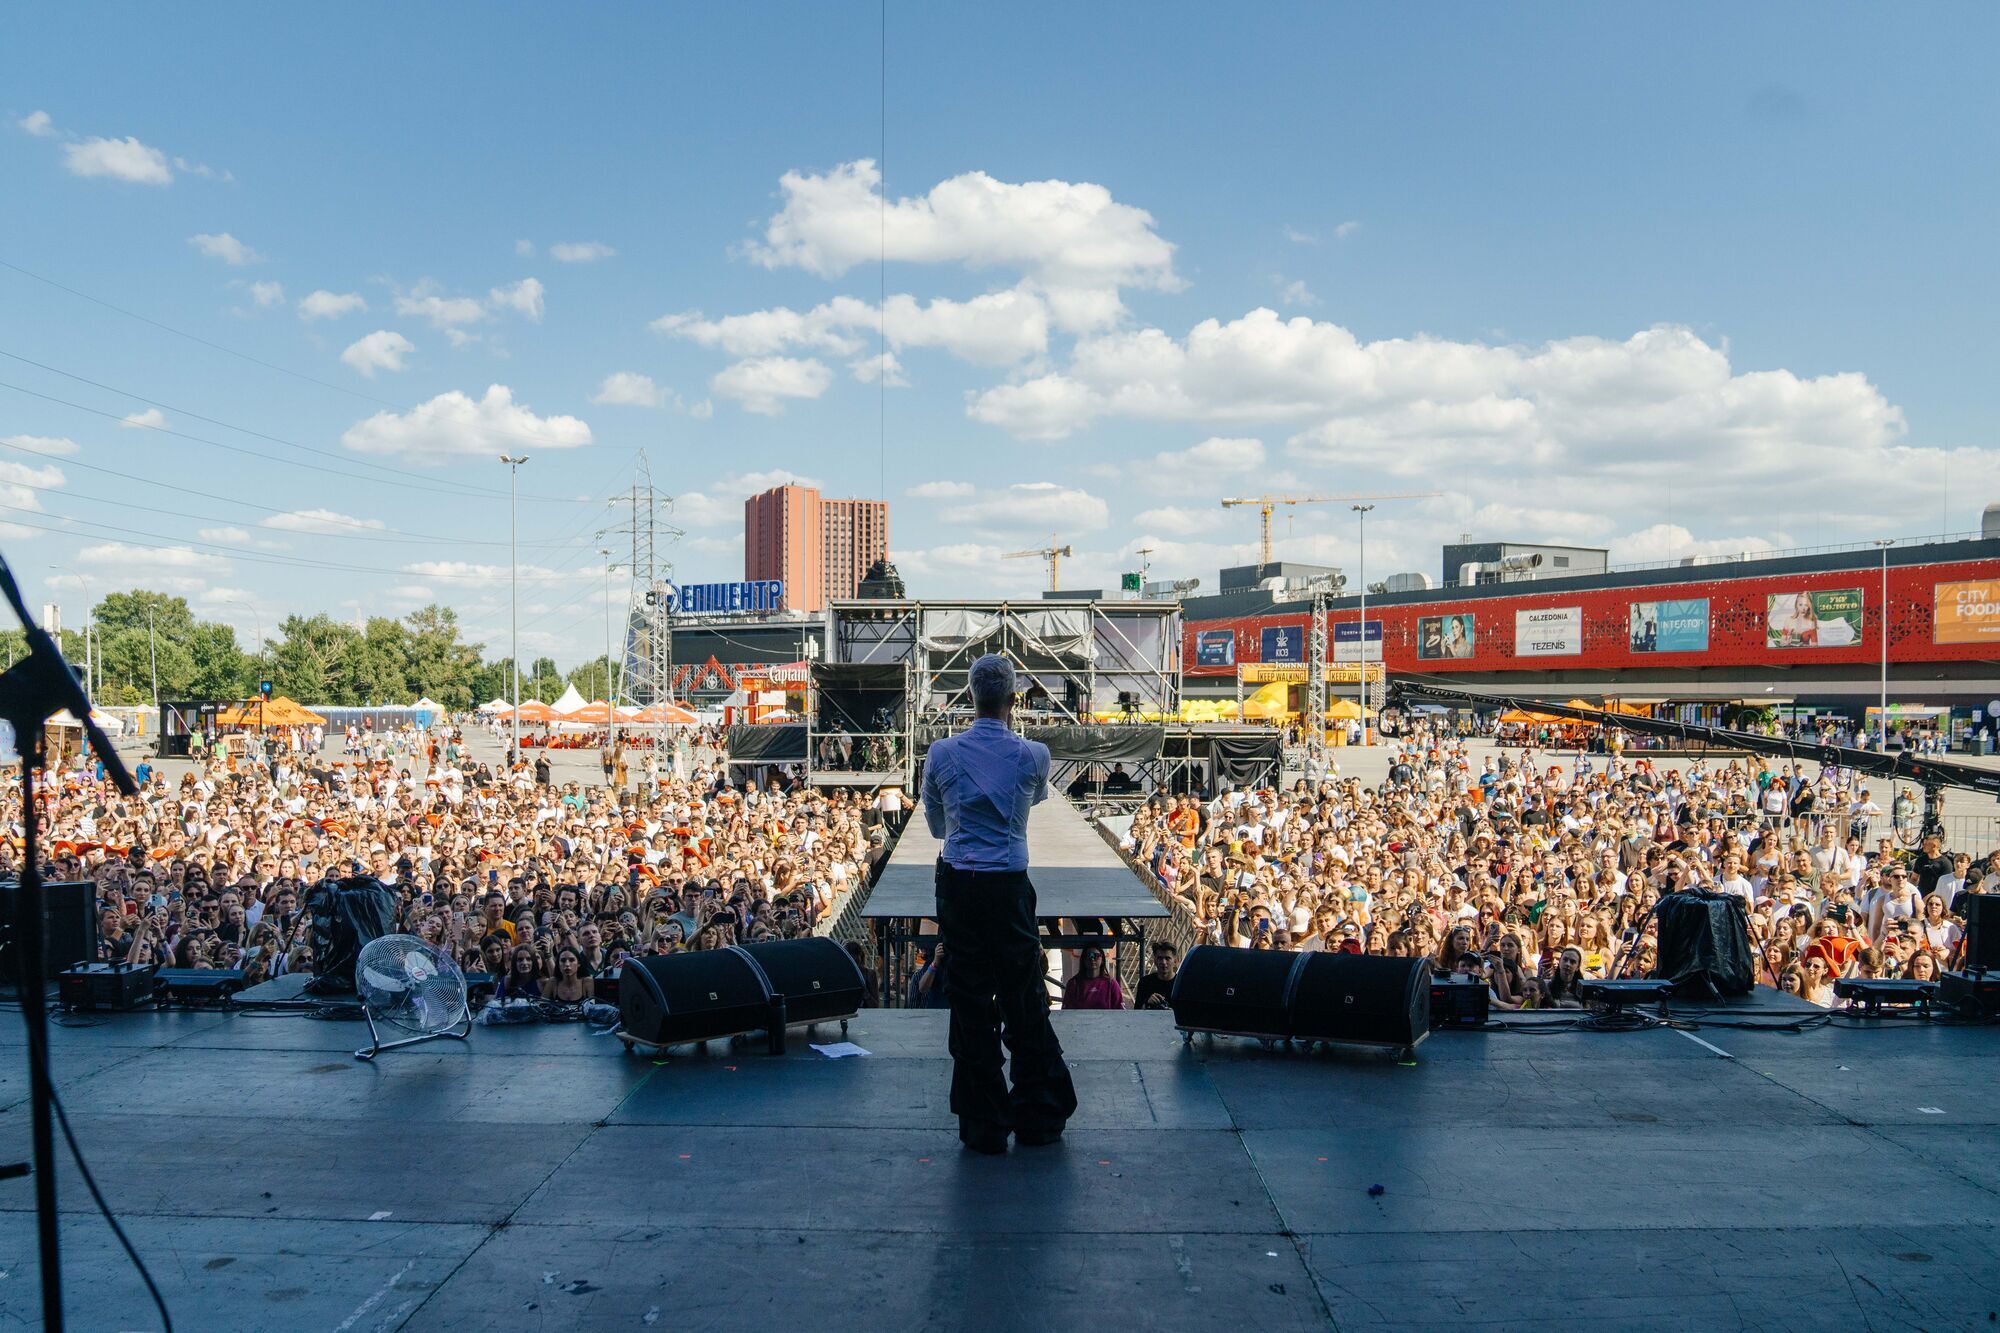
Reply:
x=610 y=702
x=1882 y=730
x=89 y=624
x=1362 y=510
x=513 y=462
x=153 y=655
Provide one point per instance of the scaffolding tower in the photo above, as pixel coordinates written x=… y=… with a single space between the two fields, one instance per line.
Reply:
x=647 y=668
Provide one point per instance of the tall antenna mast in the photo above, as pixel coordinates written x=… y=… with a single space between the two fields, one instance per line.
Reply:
x=647 y=662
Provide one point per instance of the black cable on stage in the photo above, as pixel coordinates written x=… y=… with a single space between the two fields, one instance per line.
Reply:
x=82 y=1169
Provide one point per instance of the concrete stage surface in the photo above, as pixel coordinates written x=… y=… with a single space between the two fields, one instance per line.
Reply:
x=537 y=1178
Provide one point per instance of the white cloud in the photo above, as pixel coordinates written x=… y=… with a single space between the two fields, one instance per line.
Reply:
x=1031 y=505
x=1058 y=233
x=722 y=503
x=1300 y=236
x=224 y=536
x=885 y=367
x=1347 y=229
x=150 y=419
x=702 y=410
x=1217 y=465
x=464 y=573
x=321 y=521
x=452 y=425
x=580 y=252
x=162 y=557
x=761 y=385
x=267 y=293
x=324 y=304
x=20 y=484
x=941 y=490
x=118 y=159
x=38 y=124
x=525 y=249
x=1047 y=407
x=1296 y=293
x=223 y=246
x=765 y=332
x=523 y=297
x=412 y=592
x=427 y=300
x=1671 y=541
x=380 y=350
x=627 y=388
x=52 y=445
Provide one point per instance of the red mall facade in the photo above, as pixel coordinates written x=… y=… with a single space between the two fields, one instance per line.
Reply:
x=1806 y=628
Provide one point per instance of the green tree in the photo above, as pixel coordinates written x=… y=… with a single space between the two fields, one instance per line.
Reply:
x=439 y=665
x=593 y=680
x=376 y=667
x=544 y=681
x=310 y=660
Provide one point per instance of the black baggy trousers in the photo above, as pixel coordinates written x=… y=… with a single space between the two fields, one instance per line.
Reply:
x=993 y=976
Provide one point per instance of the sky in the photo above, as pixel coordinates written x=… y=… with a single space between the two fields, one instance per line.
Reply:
x=278 y=287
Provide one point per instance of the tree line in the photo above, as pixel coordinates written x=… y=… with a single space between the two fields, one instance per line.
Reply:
x=142 y=637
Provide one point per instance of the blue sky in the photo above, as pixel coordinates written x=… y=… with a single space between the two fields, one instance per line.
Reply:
x=1694 y=280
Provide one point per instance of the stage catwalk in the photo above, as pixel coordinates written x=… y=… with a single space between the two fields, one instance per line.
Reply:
x=537 y=1178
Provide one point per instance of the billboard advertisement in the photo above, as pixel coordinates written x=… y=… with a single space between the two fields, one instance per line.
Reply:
x=1443 y=637
x=1284 y=643
x=1670 y=627
x=1548 y=631
x=1829 y=619
x=1347 y=641
x=1215 y=648
x=1966 y=612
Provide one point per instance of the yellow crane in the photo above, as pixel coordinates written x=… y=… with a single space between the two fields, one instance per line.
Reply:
x=1053 y=554
x=1266 y=503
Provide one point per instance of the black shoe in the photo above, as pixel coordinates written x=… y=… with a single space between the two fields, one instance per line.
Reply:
x=990 y=1144
x=1040 y=1138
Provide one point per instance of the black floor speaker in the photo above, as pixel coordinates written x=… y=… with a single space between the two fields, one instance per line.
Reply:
x=1982 y=930
x=69 y=929
x=818 y=978
x=667 y=999
x=1334 y=997
x=1242 y=992
x=1364 y=999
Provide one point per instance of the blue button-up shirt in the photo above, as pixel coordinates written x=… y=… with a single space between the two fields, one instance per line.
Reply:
x=978 y=787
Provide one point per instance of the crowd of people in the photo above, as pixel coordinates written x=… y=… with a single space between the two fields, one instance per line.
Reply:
x=1528 y=874
x=1533 y=876
x=542 y=884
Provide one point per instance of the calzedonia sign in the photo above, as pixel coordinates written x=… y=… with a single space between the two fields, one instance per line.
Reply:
x=695 y=599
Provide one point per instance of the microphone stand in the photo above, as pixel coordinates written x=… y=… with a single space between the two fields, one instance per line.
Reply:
x=32 y=691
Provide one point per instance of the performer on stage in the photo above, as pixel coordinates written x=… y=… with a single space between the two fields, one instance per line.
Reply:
x=978 y=786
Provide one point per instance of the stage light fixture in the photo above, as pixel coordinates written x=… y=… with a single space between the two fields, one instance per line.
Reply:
x=1621 y=994
x=1874 y=994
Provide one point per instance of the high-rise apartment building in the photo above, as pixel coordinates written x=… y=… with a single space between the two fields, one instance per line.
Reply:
x=854 y=534
x=819 y=548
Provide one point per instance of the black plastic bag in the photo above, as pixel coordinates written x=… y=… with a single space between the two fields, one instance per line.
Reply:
x=346 y=915
x=1705 y=945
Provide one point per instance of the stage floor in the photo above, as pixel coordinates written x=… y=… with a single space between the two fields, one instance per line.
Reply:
x=538 y=1178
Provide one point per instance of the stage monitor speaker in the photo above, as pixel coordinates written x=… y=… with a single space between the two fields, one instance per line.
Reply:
x=667 y=999
x=1704 y=945
x=69 y=929
x=1237 y=992
x=1982 y=931
x=819 y=981
x=1361 y=999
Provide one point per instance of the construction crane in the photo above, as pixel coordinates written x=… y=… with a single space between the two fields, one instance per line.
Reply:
x=1266 y=503
x=1053 y=554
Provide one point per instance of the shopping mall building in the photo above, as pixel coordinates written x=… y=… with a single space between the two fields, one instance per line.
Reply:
x=1798 y=632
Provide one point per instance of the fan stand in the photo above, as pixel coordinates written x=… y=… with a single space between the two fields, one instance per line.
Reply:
x=377 y=1045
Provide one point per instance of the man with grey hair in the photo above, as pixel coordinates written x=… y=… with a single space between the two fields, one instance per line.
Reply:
x=978 y=787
